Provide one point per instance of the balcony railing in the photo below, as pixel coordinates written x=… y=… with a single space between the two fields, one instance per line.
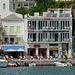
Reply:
x=50 y=40
x=49 y=28
x=16 y=43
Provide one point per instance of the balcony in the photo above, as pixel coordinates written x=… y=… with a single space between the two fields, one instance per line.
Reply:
x=49 y=28
x=13 y=43
x=49 y=41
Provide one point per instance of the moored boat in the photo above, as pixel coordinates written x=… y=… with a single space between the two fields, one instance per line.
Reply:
x=32 y=64
x=62 y=64
x=3 y=63
x=11 y=65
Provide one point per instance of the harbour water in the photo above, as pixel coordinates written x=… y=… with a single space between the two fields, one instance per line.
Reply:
x=45 y=70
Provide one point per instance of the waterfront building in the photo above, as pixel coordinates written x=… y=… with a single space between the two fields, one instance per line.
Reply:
x=12 y=5
x=13 y=33
x=50 y=34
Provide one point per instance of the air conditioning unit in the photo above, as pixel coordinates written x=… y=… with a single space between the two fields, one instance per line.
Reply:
x=56 y=28
x=65 y=27
x=43 y=40
x=47 y=40
x=43 y=28
x=68 y=40
x=31 y=40
x=53 y=40
x=64 y=39
x=52 y=27
x=46 y=27
x=68 y=27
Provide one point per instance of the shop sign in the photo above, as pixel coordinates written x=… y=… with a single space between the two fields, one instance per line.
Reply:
x=36 y=45
x=47 y=19
x=53 y=48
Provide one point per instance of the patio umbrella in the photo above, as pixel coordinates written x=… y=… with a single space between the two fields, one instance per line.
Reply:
x=10 y=50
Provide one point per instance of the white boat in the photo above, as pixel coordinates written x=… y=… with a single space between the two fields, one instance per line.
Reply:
x=3 y=63
x=60 y=64
x=32 y=64
x=11 y=64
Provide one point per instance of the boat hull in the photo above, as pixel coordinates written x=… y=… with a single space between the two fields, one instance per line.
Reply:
x=60 y=64
x=11 y=65
x=3 y=64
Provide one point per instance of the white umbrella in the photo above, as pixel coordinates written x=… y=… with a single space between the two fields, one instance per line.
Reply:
x=10 y=50
x=20 y=50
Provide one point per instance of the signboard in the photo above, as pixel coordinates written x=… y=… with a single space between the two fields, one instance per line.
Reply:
x=47 y=19
x=36 y=45
x=53 y=48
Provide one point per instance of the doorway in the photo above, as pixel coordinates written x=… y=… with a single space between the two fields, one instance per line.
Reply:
x=42 y=52
x=31 y=51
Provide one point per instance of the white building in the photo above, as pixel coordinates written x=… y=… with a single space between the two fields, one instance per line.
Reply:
x=12 y=5
x=13 y=29
x=50 y=34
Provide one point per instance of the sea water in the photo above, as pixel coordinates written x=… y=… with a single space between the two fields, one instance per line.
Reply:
x=45 y=70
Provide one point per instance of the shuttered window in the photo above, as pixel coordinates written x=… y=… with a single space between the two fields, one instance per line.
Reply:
x=12 y=30
x=18 y=29
x=18 y=39
x=6 y=29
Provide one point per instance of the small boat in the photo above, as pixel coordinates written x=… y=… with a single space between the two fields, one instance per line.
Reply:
x=11 y=64
x=32 y=64
x=3 y=63
x=62 y=64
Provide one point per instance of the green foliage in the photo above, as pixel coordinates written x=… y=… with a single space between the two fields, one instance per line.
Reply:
x=22 y=11
x=39 y=8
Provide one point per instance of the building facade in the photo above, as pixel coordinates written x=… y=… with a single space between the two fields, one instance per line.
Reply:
x=13 y=33
x=50 y=34
x=0 y=36
x=12 y=5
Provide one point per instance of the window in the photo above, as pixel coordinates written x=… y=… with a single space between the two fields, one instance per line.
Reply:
x=13 y=6
x=18 y=29
x=12 y=30
x=61 y=11
x=18 y=39
x=6 y=40
x=53 y=44
x=4 y=6
x=6 y=29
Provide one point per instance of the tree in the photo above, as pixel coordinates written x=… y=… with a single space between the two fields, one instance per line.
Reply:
x=22 y=11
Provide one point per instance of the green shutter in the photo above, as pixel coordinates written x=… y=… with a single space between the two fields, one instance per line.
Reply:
x=18 y=39
x=6 y=29
x=18 y=29
x=12 y=30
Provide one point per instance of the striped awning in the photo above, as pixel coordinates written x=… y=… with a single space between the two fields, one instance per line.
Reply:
x=10 y=50
x=13 y=48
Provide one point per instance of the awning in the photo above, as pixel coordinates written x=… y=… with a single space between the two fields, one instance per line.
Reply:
x=10 y=50
x=19 y=50
x=13 y=48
